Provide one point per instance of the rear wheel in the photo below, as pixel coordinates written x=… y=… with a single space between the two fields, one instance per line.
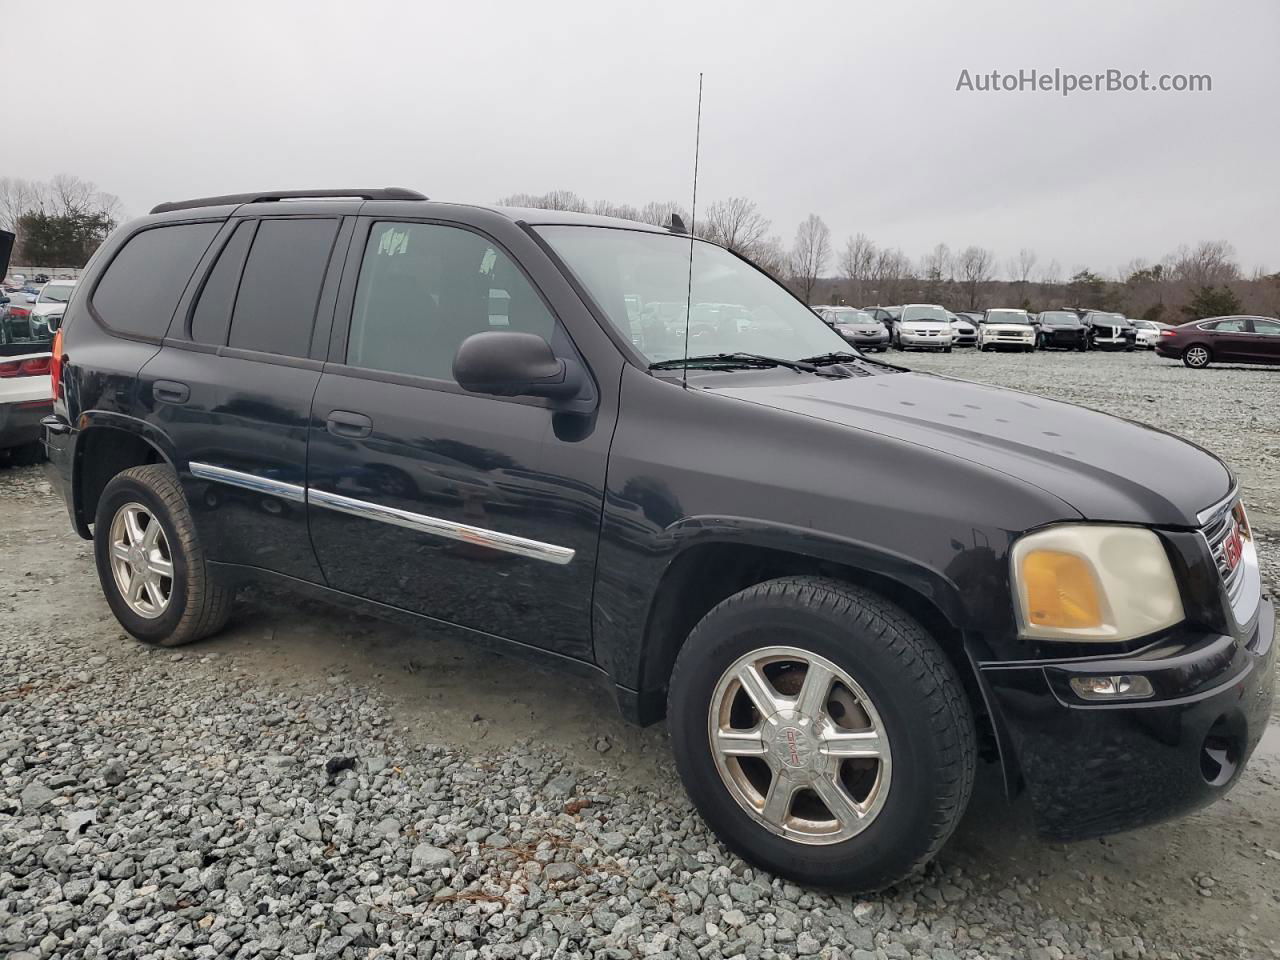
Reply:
x=150 y=563
x=1196 y=356
x=822 y=733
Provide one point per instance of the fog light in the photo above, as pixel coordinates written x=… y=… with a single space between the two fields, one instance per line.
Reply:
x=1117 y=687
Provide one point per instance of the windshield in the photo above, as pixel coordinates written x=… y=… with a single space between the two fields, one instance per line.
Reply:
x=735 y=307
x=1007 y=316
x=31 y=333
x=924 y=312
x=56 y=294
x=851 y=316
x=1060 y=318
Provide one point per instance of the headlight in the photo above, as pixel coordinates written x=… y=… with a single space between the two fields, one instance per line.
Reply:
x=1085 y=582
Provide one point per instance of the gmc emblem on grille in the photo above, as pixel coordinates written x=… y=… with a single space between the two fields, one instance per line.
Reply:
x=1233 y=546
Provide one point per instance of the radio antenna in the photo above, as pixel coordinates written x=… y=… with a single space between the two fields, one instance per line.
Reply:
x=693 y=222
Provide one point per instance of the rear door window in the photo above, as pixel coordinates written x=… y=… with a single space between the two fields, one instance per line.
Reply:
x=212 y=315
x=276 y=304
x=139 y=291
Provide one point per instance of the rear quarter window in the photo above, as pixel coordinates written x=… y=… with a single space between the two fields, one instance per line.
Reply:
x=140 y=288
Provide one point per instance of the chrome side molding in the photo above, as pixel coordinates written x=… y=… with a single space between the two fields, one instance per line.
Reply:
x=508 y=543
x=249 y=481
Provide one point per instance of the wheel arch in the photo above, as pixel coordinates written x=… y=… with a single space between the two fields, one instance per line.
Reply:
x=728 y=557
x=106 y=444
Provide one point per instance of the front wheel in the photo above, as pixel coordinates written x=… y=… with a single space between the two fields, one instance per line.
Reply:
x=150 y=563
x=946 y=349
x=822 y=733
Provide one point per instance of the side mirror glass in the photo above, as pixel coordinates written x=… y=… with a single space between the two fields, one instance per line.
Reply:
x=508 y=364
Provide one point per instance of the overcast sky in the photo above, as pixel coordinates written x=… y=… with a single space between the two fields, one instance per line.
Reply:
x=848 y=110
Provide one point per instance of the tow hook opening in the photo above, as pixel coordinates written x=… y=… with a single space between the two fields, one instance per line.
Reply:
x=1220 y=753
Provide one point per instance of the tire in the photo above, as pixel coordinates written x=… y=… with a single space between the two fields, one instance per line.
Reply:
x=1197 y=356
x=946 y=349
x=917 y=705
x=197 y=603
x=1083 y=347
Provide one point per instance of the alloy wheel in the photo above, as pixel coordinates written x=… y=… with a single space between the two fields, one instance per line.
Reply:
x=799 y=745
x=141 y=561
x=1197 y=356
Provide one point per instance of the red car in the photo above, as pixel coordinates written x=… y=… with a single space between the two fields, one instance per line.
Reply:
x=1222 y=339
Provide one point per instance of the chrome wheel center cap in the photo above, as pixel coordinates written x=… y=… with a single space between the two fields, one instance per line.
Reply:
x=792 y=743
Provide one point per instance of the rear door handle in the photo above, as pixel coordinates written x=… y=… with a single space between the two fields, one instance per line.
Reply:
x=170 y=391
x=344 y=423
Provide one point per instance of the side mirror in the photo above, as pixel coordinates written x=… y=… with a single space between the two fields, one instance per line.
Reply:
x=503 y=363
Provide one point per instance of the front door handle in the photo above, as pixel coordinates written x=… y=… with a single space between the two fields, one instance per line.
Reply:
x=344 y=423
x=170 y=391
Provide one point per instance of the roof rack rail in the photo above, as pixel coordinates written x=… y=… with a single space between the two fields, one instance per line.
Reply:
x=270 y=196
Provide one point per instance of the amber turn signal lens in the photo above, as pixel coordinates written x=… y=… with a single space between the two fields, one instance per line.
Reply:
x=1061 y=590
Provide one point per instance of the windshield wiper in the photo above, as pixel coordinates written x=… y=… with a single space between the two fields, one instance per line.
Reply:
x=825 y=359
x=736 y=359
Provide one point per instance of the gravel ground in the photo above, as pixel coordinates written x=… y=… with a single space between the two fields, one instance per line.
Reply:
x=314 y=783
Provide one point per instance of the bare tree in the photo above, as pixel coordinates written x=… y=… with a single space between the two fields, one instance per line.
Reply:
x=1207 y=264
x=1022 y=266
x=976 y=265
x=734 y=223
x=890 y=272
x=1051 y=275
x=771 y=256
x=857 y=263
x=809 y=254
x=551 y=200
x=658 y=212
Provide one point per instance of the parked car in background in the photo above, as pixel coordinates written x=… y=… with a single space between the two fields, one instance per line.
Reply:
x=923 y=326
x=52 y=299
x=856 y=326
x=964 y=331
x=1109 y=331
x=887 y=316
x=1061 y=329
x=15 y=283
x=1006 y=329
x=1224 y=340
x=1146 y=333
x=40 y=278
x=25 y=391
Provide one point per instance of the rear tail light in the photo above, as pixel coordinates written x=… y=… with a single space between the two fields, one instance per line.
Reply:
x=1168 y=333
x=33 y=367
x=55 y=364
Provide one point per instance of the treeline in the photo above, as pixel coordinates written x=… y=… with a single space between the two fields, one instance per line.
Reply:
x=1190 y=283
x=58 y=222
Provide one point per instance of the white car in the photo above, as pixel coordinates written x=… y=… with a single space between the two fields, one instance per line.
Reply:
x=51 y=299
x=26 y=390
x=923 y=326
x=1006 y=329
x=1148 y=333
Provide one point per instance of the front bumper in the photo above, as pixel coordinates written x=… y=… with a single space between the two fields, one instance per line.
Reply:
x=934 y=342
x=1064 y=338
x=20 y=421
x=875 y=340
x=1094 y=768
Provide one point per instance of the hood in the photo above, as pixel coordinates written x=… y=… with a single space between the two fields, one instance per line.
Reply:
x=1007 y=327
x=873 y=327
x=1107 y=468
x=44 y=309
x=925 y=324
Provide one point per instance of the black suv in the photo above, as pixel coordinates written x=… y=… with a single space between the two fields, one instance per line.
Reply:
x=841 y=582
